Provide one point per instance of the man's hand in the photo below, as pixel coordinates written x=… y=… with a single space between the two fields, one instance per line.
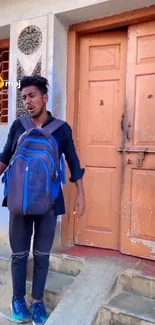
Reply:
x=80 y=205
x=80 y=202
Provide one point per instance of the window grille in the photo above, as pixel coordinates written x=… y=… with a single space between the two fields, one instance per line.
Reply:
x=4 y=73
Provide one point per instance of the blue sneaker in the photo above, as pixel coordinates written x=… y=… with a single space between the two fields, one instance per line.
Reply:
x=20 y=312
x=39 y=314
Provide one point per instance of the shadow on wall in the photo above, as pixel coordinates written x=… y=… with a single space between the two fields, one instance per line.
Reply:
x=57 y=94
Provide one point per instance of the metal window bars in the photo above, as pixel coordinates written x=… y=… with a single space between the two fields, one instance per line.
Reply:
x=4 y=73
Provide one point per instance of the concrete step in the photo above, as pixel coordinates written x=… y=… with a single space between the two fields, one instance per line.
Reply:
x=127 y=309
x=66 y=264
x=61 y=263
x=56 y=285
x=136 y=282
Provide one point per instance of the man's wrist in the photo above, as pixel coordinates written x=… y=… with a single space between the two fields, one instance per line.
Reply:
x=80 y=187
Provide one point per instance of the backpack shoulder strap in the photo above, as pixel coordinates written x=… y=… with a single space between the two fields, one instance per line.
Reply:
x=53 y=126
x=27 y=122
x=47 y=130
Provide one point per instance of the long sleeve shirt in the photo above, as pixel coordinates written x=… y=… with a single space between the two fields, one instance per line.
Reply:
x=66 y=146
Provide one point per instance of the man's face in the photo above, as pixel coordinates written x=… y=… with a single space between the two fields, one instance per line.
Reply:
x=34 y=101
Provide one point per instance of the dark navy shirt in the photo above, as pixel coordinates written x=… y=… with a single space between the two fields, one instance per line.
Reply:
x=65 y=141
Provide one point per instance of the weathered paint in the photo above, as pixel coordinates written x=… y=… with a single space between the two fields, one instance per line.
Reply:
x=102 y=101
x=138 y=208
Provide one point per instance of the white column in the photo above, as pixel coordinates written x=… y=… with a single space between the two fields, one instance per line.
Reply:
x=57 y=66
x=28 y=55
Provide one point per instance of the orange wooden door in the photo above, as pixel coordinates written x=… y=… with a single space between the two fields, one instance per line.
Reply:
x=138 y=200
x=101 y=106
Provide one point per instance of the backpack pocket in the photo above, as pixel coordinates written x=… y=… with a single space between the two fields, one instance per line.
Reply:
x=15 y=184
x=29 y=181
x=37 y=193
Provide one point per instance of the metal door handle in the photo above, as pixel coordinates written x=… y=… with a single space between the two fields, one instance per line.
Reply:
x=122 y=122
x=128 y=132
x=128 y=150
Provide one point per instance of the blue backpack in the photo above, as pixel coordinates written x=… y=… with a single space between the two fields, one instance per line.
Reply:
x=35 y=173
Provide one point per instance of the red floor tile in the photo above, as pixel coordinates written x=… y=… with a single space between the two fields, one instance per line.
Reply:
x=144 y=266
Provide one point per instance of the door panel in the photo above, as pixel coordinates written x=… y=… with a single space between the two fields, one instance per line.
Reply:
x=138 y=203
x=101 y=105
x=144 y=119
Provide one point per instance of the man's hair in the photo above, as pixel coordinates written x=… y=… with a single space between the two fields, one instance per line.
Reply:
x=40 y=82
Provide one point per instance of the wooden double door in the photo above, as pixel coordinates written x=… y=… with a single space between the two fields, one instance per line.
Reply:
x=116 y=140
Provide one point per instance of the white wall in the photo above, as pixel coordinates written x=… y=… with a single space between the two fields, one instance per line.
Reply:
x=57 y=66
x=69 y=10
x=59 y=70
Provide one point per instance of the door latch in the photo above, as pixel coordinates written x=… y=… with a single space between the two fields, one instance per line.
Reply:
x=122 y=122
x=141 y=156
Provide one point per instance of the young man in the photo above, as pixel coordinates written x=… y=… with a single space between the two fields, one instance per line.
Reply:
x=34 y=92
